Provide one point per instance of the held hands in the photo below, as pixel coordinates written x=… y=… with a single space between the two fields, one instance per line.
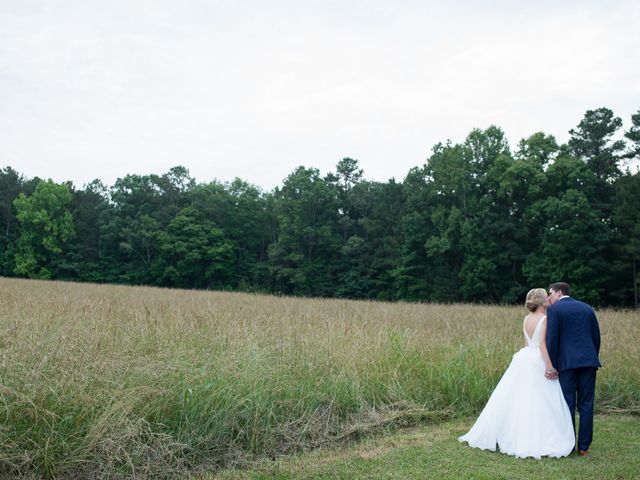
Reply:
x=551 y=373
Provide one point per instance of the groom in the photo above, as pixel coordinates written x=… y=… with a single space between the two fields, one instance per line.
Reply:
x=573 y=343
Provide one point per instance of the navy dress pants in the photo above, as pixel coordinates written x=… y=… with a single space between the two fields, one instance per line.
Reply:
x=579 y=387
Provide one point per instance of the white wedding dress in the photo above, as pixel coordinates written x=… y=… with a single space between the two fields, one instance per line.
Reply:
x=526 y=415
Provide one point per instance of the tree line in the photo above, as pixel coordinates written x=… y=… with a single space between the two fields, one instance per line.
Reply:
x=477 y=222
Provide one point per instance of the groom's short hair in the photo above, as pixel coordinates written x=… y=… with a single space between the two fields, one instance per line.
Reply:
x=560 y=287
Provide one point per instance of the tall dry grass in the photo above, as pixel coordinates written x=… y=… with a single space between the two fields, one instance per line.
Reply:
x=109 y=381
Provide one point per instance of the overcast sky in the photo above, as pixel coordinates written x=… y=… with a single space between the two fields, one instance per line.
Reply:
x=252 y=89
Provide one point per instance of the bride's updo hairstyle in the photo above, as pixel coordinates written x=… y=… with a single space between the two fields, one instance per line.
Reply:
x=535 y=298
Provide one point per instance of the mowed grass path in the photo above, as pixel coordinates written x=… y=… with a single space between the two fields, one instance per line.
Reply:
x=432 y=452
x=103 y=381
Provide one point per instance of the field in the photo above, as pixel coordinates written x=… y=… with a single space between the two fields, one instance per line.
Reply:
x=432 y=452
x=110 y=381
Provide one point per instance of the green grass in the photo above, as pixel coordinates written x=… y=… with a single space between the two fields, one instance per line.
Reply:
x=102 y=381
x=433 y=452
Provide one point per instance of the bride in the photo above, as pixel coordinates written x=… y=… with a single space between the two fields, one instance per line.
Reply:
x=527 y=415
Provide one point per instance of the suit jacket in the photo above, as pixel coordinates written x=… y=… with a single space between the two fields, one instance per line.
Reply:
x=573 y=335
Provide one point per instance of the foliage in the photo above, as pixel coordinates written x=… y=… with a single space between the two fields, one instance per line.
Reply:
x=475 y=223
x=46 y=225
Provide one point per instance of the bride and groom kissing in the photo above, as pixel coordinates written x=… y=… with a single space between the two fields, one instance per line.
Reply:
x=531 y=412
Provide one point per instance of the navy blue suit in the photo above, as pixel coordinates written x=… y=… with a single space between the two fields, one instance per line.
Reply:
x=573 y=342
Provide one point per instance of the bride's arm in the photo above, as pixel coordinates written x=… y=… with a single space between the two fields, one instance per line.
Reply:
x=543 y=347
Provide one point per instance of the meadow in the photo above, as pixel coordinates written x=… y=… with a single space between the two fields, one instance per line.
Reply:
x=102 y=381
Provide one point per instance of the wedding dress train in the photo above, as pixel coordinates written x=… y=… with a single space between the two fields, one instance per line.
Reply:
x=526 y=415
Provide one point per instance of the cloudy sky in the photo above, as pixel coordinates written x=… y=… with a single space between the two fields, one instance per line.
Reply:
x=98 y=89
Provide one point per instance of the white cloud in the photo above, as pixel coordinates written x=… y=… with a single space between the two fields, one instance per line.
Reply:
x=252 y=89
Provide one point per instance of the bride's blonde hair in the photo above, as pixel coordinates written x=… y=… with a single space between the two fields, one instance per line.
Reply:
x=535 y=298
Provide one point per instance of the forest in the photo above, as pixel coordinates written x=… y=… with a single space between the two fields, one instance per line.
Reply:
x=479 y=222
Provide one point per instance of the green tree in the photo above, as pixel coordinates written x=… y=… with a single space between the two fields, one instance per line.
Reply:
x=522 y=184
x=489 y=236
x=303 y=257
x=539 y=148
x=371 y=252
x=571 y=246
x=46 y=225
x=193 y=253
x=12 y=184
x=347 y=175
x=592 y=141
x=91 y=209
x=569 y=173
x=240 y=210
x=484 y=147
x=627 y=220
x=143 y=207
x=440 y=197
x=634 y=137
